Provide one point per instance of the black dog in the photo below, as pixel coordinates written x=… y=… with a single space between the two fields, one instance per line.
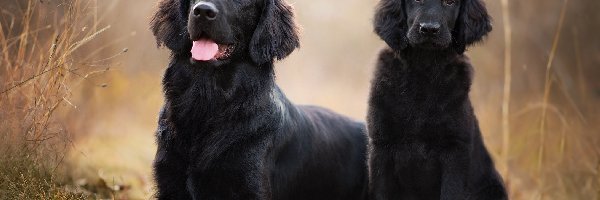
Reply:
x=425 y=139
x=226 y=130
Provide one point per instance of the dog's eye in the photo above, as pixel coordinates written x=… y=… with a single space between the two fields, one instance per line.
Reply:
x=450 y=2
x=418 y=1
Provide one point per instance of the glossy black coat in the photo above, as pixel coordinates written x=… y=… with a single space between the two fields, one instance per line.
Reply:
x=228 y=132
x=425 y=141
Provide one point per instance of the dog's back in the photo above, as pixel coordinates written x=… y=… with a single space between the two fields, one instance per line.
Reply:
x=324 y=154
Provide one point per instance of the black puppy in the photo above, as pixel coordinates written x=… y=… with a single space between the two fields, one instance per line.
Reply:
x=226 y=130
x=425 y=142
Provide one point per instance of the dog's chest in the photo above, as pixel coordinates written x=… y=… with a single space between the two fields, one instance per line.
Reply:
x=418 y=166
x=417 y=154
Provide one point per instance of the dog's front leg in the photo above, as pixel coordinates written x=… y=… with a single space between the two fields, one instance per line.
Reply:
x=233 y=177
x=455 y=167
x=169 y=172
x=169 y=166
x=383 y=183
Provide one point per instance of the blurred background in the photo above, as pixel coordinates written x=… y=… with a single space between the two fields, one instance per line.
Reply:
x=80 y=92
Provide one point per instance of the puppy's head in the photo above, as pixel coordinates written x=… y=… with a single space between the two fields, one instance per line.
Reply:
x=215 y=32
x=432 y=24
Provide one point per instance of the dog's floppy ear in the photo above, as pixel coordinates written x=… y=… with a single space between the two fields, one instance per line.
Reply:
x=473 y=24
x=168 y=25
x=276 y=35
x=390 y=23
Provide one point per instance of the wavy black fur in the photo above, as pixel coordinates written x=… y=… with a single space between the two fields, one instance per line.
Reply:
x=228 y=132
x=425 y=141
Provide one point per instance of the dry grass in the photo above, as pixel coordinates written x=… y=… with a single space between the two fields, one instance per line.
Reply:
x=552 y=151
x=23 y=177
x=38 y=75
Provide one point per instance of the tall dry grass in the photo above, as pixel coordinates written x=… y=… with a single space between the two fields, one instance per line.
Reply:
x=550 y=117
x=38 y=73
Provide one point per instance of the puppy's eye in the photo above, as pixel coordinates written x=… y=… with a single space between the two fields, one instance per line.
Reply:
x=418 y=1
x=450 y=2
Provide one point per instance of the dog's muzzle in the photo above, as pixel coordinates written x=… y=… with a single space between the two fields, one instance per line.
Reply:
x=205 y=11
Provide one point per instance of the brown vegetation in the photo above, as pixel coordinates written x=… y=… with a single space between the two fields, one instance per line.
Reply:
x=39 y=74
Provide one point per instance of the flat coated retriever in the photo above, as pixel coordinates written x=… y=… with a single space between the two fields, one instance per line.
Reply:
x=226 y=130
x=425 y=141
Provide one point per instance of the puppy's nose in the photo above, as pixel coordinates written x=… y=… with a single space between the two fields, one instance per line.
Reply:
x=429 y=28
x=205 y=10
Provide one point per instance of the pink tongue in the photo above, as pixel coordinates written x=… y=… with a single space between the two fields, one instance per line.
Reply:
x=204 y=50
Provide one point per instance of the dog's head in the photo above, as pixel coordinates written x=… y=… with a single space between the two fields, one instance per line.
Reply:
x=217 y=31
x=432 y=24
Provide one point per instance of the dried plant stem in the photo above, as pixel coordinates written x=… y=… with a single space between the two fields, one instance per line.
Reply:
x=581 y=79
x=507 y=87
x=59 y=64
x=547 y=87
x=24 y=37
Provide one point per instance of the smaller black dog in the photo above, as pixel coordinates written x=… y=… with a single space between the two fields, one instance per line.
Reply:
x=425 y=139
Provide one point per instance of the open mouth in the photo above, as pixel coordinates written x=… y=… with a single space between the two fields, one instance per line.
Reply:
x=206 y=49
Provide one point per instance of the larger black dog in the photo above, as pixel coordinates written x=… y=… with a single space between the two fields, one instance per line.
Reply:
x=425 y=139
x=226 y=130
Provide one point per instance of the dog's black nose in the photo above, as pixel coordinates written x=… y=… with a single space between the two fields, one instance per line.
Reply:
x=206 y=10
x=429 y=28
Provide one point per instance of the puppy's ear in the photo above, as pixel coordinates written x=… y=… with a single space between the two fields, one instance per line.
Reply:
x=472 y=25
x=168 y=25
x=390 y=23
x=276 y=35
